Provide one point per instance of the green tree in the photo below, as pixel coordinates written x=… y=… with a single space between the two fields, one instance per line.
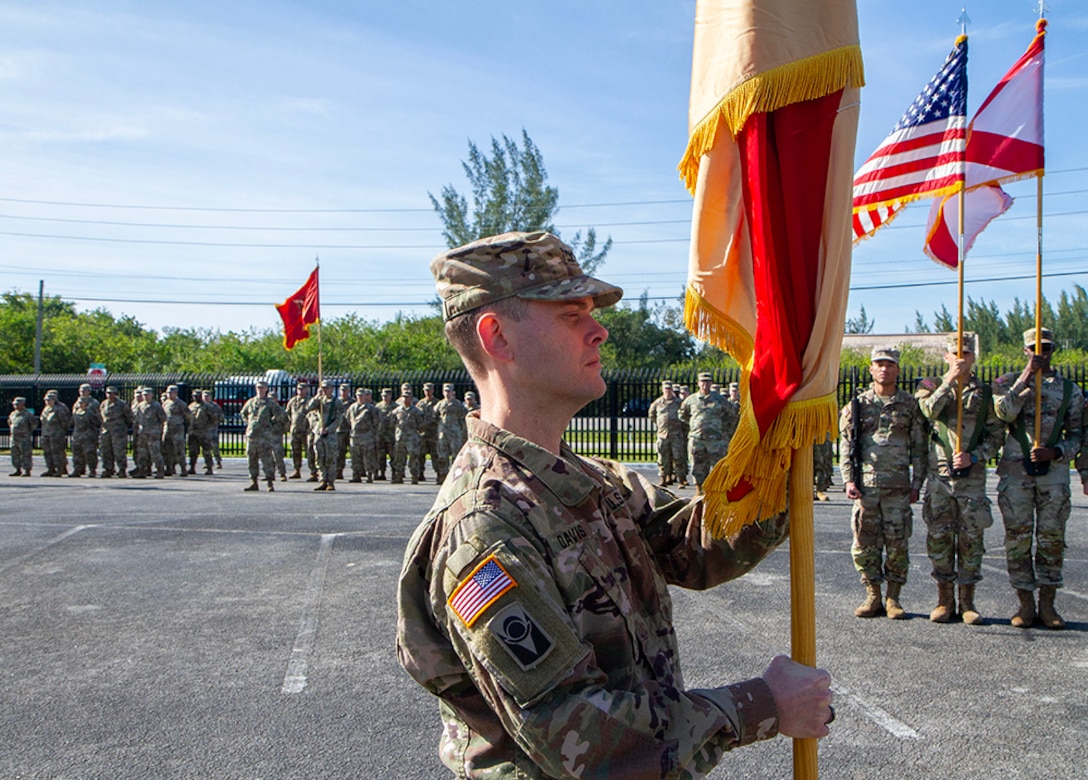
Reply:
x=510 y=191
x=860 y=324
x=637 y=337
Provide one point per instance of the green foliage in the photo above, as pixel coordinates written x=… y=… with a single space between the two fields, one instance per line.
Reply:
x=637 y=337
x=860 y=324
x=510 y=191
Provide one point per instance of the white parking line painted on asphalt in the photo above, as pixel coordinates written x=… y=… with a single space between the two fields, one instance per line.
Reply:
x=31 y=553
x=1065 y=591
x=880 y=717
x=295 y=679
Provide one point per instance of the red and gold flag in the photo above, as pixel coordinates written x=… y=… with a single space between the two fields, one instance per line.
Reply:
x=300 y=311
x=772 y=124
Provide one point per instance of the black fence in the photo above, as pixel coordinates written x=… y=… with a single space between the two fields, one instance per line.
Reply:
x=614 y=426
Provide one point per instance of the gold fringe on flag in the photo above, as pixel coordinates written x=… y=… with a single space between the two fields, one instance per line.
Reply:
x=805 y=79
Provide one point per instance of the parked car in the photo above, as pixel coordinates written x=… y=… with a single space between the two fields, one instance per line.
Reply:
x=635 y=407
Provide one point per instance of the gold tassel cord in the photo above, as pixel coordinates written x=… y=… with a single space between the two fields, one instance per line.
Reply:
x=806 y=79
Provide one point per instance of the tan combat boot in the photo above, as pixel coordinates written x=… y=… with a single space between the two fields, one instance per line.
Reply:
x=967 y=605
x=946 y=603
x=892 y=606
x=1025 y=616
x=872 y=606
x=1047 y=614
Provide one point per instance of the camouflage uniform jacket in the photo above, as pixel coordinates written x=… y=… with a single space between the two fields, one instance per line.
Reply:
x=665 y=412
x=1014 y=402
x=22 y=423
x=385 y=430
x=86 y=421
x=177 y=414
x=262 y=416
x=430 y=418
x=451 y=417
x=325 y=414
x=149 y=418
x=296 y=413
x=55 y=419
x=893 y=442
x=116 y=415
x=408 y=422
x=570 y=668
x=937 y=402
x=708 y=417
x=200 y=418
x=363 y=422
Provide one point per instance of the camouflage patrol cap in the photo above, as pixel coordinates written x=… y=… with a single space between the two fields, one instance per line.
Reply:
x=326 y=383
x=84 y=386
x=51 y=394
x=360 y=391
x=345 y=386
x=387 y=390
x=406 y=386
x=18 y=400
x=174 y=388
x=1046 y=334
x=705 y=376
x=952 y=344
x=536 y=266
x=667 y=385
x=470 y=394
x=428 y=385
x=206 y=392
x=446 y=386
x=258 y=383
x=111 y=389
x=885 y=353
x=733 y=386
x=302 y=383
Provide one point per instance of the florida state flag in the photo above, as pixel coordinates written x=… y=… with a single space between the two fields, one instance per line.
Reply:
x=772 y=125
x=300 y=311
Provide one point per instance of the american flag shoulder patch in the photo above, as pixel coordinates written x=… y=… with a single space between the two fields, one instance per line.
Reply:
x=480 y=589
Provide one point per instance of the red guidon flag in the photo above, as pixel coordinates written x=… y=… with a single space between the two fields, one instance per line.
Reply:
x=300 y=311
x=772 y=124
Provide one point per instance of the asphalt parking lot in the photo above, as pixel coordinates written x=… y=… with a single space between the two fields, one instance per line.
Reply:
x=185 y=629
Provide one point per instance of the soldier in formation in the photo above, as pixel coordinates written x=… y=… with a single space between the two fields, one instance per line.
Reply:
x=55 y=419
x=709 y=418
x=86 y=424
x=343 y=433
x=672 y=462
x=202 y=416
x=117 y=418
x=452 y=430
x=261 y=415
x=822 y=466
x=148 y=422
x=178 y=417
x=407 y=421
x=1033 y=490
x=471 y=402
x=363 y=424
x=883 y=438
x=326 y=412
x=21 y=423
x=218 y=417
x=385 y=432
x=299 y=429
x=428 y=442
x=955 y=508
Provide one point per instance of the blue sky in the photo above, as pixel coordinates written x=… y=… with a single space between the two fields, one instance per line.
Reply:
x=184 y=163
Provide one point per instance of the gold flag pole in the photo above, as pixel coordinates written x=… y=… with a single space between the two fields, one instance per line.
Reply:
x=959 y=329
x=320 y=376
x=1038 y=305
x=803 y=591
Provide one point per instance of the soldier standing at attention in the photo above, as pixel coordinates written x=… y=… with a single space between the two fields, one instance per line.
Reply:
x=113 y=437
x=955 y=508
x=451 y=415
x=326 y=413
x=884 y=437
x=150 y=418
x=199 y=440
x=672 y=463
x=385 y=431
x=261 y=415
x=363 y=423
x=55 y=419
x=533 y=600
x=300 y=431
x=471 y=404
x=822 y=467
x=1033 y=490
x=21 y=424
x=428 y=442
x=708 y=416
x=85 y=392
x=407 y=421
x=343 y=433
x=173 y=435
x=85 y=425
x=218 y=417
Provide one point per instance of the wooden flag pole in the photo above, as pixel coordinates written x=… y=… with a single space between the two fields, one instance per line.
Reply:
x=320 y=376
x=1038 y=306
x=803 y=591
x=959 y=328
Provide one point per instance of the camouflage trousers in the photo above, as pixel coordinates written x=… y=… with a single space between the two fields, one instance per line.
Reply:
x=955 y=526
x=672 y=458
x=449 y=444
x=1040 y=510
x=22 y=449
x=882 y=523
x=301 y=445
x=325 y=454
x=55 y=452
x=703 y=455
x=428 y=445
x=112 y=447
x=259 y=451
x=821 y=465
x=173 y=448
x=213 y=437
x=385 y=453
x=200 y=441
x=85 y=452
x=278 y=454
x=149 y=453
x=343 y=443
x=407 y=452
x=364 y=458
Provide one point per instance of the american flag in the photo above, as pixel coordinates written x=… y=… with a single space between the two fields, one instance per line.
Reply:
x=480 y=589
x=924 y=155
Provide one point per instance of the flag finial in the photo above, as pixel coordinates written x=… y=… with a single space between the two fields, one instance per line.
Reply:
x=965 y=20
